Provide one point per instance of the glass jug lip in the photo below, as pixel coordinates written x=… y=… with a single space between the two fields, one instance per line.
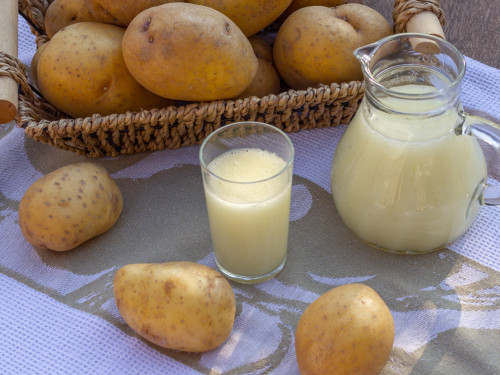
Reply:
x=374 y=47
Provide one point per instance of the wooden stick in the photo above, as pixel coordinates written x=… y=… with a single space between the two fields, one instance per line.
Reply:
x=426 y=23
x=8 y=44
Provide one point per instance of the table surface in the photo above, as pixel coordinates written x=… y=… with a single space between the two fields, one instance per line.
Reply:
x=57 y=310
x=473 y=26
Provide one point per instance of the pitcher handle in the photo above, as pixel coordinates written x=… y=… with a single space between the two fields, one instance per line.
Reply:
x=488 y=132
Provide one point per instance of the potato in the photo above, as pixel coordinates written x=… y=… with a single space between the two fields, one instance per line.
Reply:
x=347 y=330
x=315 y=44
x=82 y=72
x=251 y=16
x=62 y=13
x=34 y=62
x=189 y=52
x=298 y=4
x=69 y=206
x=177 y=305
x=266 y=82
x=262 y=49
x=121 y=12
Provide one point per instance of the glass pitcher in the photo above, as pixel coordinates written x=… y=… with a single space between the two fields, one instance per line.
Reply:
x=409 y=175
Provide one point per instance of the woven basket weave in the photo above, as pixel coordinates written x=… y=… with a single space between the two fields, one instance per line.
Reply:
x=185 y=125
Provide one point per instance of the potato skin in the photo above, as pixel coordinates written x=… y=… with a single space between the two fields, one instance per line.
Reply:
x=188 y=52
x=315 y=44
x=298 y=4
x=82 y=72
x=251 y=16
x=266 y=82
x=69 y=206
x=34 y=62
x=262 y=49
x=348 y=330
x=121 y=12
x=176 y=305
x=62 y=13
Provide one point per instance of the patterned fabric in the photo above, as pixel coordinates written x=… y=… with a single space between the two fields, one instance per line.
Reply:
x=58 y=315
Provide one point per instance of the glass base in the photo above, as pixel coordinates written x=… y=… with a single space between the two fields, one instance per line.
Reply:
x=408 y=252
x=404 y=251
x=250 y=279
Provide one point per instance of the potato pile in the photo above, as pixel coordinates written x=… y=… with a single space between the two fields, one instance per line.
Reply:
x=108 y=56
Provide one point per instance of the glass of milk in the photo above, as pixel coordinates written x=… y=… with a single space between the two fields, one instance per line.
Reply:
x=247 y=177
x=409 y=175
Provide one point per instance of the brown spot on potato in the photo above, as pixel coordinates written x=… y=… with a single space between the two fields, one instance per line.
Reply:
x=168 y=286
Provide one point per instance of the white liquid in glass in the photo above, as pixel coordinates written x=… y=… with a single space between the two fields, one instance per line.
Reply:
x=249 y=221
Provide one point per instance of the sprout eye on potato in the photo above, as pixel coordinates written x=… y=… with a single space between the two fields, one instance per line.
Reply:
x=69 y=206
x=177 y=305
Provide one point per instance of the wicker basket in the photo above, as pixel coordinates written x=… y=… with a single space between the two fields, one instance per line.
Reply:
x=185 y=125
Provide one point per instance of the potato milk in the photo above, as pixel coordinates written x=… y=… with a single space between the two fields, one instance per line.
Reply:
x=249 y=221
x=407 y=185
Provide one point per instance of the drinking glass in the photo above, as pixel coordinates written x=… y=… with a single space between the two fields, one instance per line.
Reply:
x=247 y=178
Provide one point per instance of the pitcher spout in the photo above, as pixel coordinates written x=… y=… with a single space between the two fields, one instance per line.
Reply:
x=365 y=55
